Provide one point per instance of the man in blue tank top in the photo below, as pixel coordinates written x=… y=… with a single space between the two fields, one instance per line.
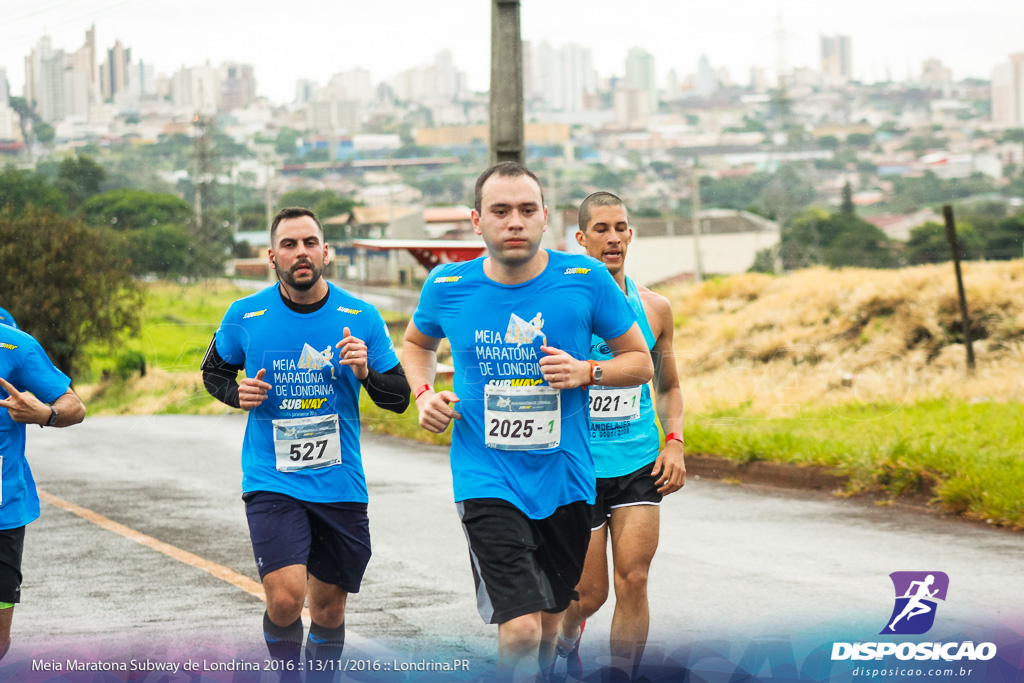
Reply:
x=519 y=322
x=307 y=348
x=632 y=475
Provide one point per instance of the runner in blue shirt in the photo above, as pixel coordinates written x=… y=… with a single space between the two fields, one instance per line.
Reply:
x=24 y=368
x=306 y=347
x=520 y=322
x=632 y=472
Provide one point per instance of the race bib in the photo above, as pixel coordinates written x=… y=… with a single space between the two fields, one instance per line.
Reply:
x=307 y=443
x=614 y=404
x=522 y=418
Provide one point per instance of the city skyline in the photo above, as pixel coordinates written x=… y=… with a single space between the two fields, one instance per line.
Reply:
x=744 y=36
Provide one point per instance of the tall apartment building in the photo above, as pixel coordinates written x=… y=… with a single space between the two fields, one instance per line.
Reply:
x=1008 y=92
x=706 y=81
x=236 y=87
x=837 y=58
x=114 y=71
x=196 y=88
x=438 y=82
x=640 y=74
x=560 y=78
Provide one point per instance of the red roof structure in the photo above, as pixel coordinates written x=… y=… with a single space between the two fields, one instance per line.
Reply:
x=429 y=253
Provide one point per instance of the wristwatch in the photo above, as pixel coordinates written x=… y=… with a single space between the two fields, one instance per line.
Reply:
x=596 y=372
x=54 y=416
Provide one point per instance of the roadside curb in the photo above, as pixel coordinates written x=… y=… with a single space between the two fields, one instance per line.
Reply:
x=777 y=474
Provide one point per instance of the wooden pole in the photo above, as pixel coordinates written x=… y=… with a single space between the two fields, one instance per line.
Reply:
x=954 y=247
x=506 y=103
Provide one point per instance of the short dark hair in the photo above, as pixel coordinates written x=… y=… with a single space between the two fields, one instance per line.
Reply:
x=595 y=200
x=508 y=169
x=293 y=212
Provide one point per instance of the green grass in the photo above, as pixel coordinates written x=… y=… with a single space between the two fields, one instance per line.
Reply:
x=177 y=324
x=971 y=457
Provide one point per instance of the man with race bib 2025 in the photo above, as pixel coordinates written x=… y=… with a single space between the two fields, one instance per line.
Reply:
x=632 y=473
x=32 y=391
x=307 y=347
x=519 y=321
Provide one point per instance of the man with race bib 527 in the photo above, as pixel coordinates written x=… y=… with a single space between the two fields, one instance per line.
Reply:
x=302 y=475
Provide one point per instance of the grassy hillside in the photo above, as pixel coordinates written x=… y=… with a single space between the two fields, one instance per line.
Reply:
x=864 y=370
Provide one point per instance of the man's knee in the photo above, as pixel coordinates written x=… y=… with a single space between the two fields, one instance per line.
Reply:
x=285 y=602
x=592 y=597
x=328 y=613
x=524 y=629
x=631 y=580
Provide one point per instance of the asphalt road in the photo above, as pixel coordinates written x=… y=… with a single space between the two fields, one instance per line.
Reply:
x=734 y=562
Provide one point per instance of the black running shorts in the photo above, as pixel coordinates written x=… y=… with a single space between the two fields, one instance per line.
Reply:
x=12 y=543
x=523 y=565
x=635 y=488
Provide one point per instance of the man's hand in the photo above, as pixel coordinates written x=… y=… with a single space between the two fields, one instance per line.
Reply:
x=436 y=411
x=669 y=469
x=252 y=391
x=24 y=407
x=562 y=371
x=353 y=353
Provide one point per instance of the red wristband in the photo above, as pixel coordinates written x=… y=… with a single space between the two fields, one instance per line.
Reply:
x=674 y=435
x=419 y=391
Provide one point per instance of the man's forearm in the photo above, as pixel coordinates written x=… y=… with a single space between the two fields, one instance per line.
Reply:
x=420 y=365
x=70 y=409
x=627 y=369
x=670 y=410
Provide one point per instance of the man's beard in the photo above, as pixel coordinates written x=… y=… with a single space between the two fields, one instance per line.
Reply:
x=288 y=279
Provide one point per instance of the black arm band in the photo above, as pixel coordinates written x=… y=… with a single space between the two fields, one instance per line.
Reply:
x=220 y=377
x=389 y=390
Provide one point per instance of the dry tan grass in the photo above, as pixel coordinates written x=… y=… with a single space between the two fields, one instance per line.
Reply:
x=158 y=392
x=829 y=337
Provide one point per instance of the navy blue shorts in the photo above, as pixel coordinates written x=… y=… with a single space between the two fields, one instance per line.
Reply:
x=331 y=539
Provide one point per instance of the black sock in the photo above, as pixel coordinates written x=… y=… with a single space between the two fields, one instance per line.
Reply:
x=324 y=646
x=283 y=642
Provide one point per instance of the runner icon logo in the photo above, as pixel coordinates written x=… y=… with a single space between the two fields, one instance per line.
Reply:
x=917 y=594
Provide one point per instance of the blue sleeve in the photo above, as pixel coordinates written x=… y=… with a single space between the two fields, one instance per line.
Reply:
x=36 y=373
x=7 y=319
x=380 y=348
x=425 y=317
x=612 y=316
x=228 y=339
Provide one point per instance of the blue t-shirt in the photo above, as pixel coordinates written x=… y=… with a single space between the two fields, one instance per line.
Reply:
x=623 y=446
x=496 y=331
x=26 y=366
x=7 y=319
x=298 y=352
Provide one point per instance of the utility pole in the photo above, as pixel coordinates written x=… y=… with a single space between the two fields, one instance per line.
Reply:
x=965 y=318
x=205 y=174
x=698 y=269
x=506 y=105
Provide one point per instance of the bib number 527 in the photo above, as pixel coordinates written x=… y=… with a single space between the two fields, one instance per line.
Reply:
x=304 y=451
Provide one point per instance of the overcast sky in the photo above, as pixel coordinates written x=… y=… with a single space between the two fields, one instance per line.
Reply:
x=296 y=39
